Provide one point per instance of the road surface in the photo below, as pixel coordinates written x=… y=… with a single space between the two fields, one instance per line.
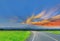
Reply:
x=43 y=36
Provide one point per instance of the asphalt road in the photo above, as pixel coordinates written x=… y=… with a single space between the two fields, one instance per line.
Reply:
x=43 y=36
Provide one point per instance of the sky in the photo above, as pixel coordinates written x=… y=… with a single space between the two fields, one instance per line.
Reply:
x=22 y=9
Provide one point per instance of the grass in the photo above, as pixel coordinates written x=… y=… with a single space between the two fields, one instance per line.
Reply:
x=14 y=35
x=54 y=32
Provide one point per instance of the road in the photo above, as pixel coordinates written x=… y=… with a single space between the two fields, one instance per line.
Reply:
x=43 y=36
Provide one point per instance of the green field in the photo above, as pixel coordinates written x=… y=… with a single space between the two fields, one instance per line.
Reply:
x=54 y=32
x=14 y=35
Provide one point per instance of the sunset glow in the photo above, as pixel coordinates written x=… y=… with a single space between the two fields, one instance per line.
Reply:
x=47 y=21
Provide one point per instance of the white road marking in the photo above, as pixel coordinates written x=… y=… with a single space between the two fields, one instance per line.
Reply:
x=49 y=36
x=35 y=34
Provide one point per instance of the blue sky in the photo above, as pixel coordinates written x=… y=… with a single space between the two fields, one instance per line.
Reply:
x=24 y=8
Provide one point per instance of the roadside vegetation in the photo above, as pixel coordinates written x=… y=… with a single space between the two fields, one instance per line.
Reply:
x=14 y=35
x=54 y=32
